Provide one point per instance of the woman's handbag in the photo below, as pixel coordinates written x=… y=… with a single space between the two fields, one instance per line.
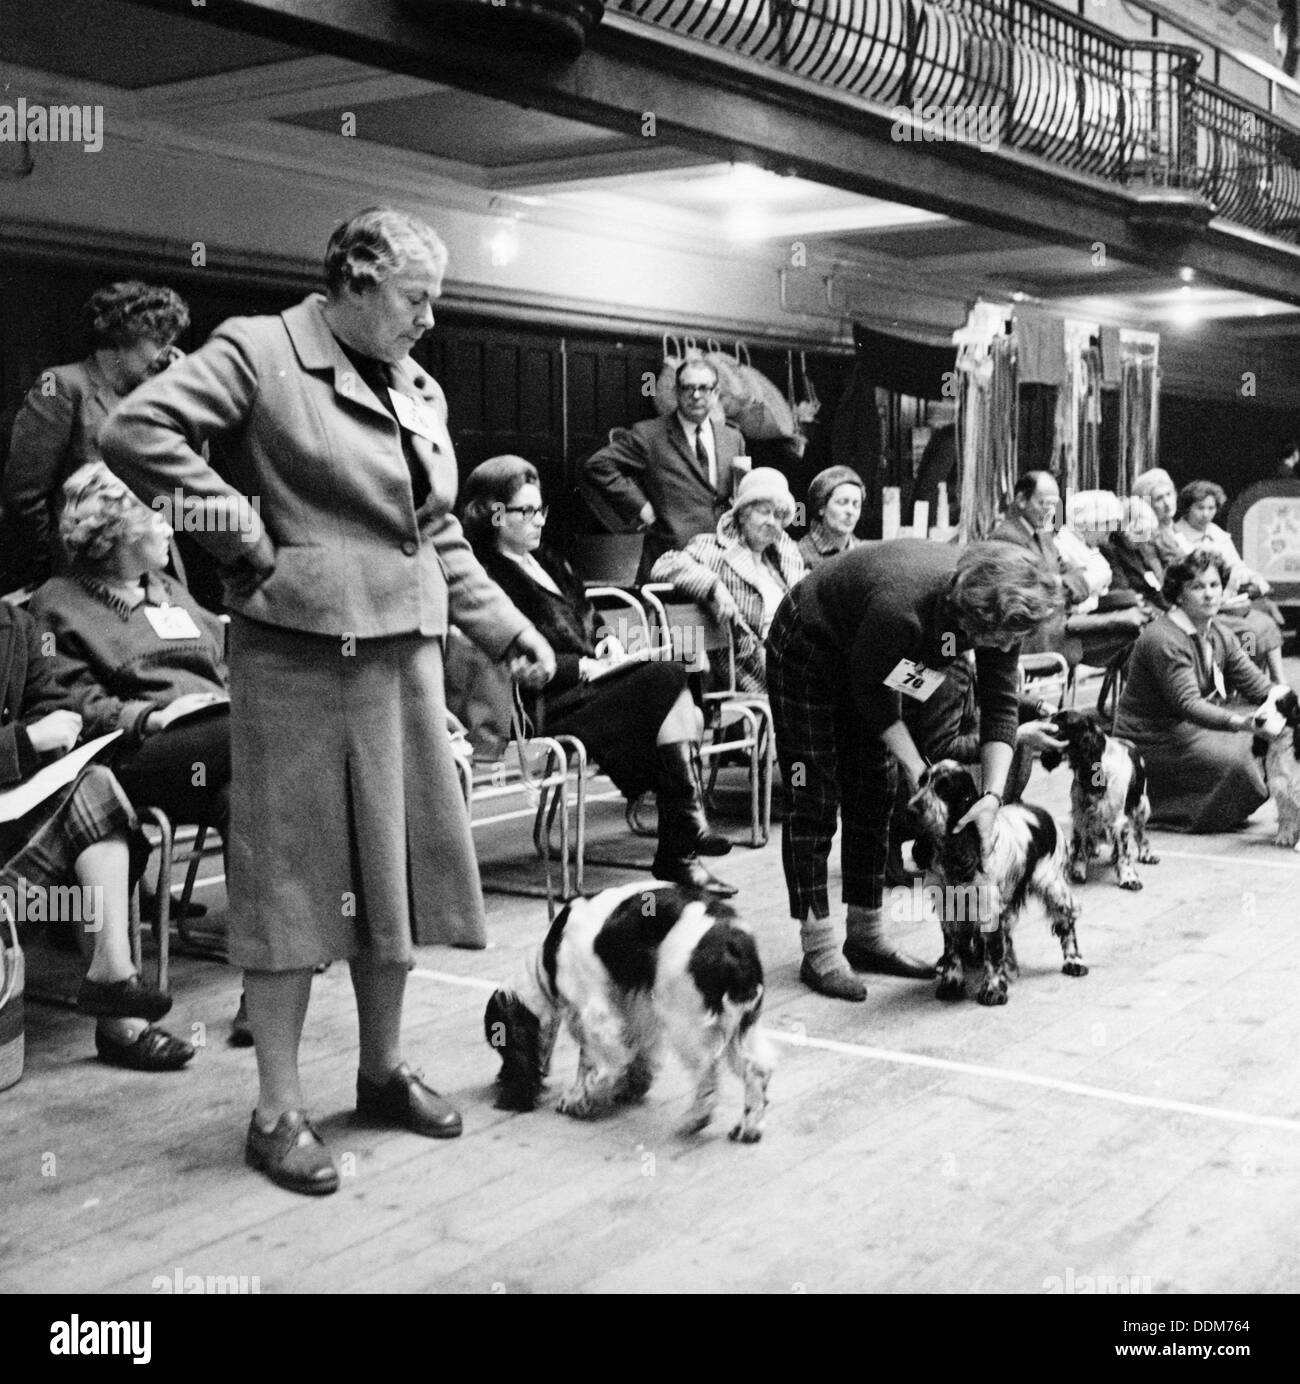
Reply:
x=11 y=999
x=763 y=414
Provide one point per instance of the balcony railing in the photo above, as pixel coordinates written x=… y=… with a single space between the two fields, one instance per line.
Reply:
x=1027 y=76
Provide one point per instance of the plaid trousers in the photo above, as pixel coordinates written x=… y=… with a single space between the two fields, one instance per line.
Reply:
x=832 y=766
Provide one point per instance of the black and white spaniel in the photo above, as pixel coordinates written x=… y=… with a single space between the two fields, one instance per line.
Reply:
x=1108 y=799
x=982 y=900
x=624 y=969
x=1281 y=751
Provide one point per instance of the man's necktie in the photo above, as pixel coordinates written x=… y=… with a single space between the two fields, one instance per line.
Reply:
x=702 y=456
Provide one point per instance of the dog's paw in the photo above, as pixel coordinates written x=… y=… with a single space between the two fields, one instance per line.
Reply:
x=1148 y=859
x=1079 y=874
x=1074 y=968
x=1133 y=884
x=993 y=992
x=577 y=1107
x=520 y=1099
x=743 y=1135
x=694 y=1122
x=950 y=989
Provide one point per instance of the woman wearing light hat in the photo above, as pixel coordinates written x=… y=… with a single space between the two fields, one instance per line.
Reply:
x=743 y=570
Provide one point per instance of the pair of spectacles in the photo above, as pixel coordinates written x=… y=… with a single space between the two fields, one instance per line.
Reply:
x=689 y=389
x=528 y=512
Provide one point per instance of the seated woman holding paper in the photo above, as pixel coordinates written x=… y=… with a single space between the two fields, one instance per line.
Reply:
x=142 y=656
x=82 y=831
x=743 y=570
x=635 y=716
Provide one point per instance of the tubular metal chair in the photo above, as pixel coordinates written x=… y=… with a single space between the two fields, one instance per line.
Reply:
x=695 y=636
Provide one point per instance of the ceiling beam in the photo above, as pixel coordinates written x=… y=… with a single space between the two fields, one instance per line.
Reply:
x=274 y=90
x=728 y=107
x=595 y=168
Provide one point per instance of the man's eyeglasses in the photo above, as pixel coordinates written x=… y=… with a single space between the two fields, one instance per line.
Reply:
x=689 y=389
x=528 y=512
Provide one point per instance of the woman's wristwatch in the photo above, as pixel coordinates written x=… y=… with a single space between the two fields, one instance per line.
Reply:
x=991 y=793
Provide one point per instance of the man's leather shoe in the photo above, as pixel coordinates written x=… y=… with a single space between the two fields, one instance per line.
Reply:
x=122 y=999
x=153 y=1050
x=292 y=1155
x=836 y=985
x=885 y=963
x=405 y=1100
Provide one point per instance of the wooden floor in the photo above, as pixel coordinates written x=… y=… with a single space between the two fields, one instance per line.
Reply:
x=1141 y=1122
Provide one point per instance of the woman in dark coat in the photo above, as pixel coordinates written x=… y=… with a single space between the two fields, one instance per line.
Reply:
x=87 y=834
x=344 y=567
x=133 y=327
x=884 y=616
x=639 y=722
x=1177 y=709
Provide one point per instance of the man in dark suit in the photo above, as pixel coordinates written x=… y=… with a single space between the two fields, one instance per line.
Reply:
x=1095 y=639
x=673 y=475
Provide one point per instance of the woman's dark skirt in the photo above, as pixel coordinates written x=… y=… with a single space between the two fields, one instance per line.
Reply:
x=618 y=719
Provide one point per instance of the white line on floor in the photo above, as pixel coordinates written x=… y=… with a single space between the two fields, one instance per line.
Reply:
x=944 y=1064
x=470 y=982
x=1284 y=862
x=1050 y=1083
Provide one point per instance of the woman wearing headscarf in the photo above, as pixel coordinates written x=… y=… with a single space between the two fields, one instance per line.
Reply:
x=835 y=499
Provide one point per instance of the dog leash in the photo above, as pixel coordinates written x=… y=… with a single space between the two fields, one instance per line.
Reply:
x=532 y=787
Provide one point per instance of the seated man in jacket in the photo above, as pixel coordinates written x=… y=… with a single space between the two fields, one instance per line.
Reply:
x=1095 y=637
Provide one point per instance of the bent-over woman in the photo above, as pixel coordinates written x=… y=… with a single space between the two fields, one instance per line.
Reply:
x=877 y=623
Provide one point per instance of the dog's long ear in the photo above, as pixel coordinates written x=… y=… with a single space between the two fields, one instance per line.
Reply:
x=1259 y=746
x=1050 y=759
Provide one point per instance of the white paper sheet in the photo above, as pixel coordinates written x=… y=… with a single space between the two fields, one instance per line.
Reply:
x=18 y=802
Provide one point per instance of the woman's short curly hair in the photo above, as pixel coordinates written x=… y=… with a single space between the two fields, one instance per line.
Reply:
x=375 y=244
x=99 y=515
x=1196 y=491
x=122 y=314
x=488 y=488
x=1180 y=575
x=999 y=589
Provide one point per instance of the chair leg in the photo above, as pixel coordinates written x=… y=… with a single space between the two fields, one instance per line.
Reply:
x=162 y=901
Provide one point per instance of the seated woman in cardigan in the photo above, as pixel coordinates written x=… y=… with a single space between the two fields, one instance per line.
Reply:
x=636 y=719
x=140 y=654
x=1188 y=703
x=743 y=570
x=84 y=834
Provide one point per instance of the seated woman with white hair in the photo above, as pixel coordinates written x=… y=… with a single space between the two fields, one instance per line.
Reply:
x=743 y=570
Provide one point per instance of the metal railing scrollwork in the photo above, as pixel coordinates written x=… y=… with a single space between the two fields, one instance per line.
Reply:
x=1025 y=75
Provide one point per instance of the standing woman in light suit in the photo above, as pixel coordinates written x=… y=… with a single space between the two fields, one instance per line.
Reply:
x=343 y=567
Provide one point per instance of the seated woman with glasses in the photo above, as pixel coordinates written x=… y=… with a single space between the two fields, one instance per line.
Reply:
x=742 y=571
x=85 y=835
x=636 y=719
x=133 y=328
